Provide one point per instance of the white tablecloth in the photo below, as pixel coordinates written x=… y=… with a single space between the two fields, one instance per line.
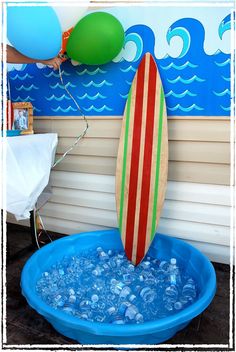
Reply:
x=29 y=159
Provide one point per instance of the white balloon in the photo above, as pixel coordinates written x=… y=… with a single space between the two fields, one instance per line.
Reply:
x=70 y=15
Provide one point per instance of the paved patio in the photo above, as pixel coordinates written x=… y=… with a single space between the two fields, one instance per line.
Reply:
x=25 y=326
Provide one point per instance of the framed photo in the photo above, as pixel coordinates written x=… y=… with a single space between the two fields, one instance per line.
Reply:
x=23 y=117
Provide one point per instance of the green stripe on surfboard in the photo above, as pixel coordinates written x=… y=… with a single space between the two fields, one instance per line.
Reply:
x=154 y=212
x=125 y=159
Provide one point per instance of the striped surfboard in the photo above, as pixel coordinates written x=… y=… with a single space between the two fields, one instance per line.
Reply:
x=142 y=162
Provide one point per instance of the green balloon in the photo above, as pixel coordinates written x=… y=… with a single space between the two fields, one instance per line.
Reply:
x=96 y=39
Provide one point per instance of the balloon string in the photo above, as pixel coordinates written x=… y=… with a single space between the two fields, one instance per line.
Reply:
x=84 y=118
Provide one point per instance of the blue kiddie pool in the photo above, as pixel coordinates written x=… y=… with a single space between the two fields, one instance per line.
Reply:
x=151 y=332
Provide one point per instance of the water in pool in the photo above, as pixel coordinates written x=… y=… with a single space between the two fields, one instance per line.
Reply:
x=104 y=286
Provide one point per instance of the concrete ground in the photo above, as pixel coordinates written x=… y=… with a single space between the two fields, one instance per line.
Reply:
x=25 y=326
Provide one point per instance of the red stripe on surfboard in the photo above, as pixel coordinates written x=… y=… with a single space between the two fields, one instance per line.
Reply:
x=135 y=153
x=147 y=162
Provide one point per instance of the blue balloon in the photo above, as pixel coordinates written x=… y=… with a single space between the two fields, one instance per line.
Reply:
x=34 y=31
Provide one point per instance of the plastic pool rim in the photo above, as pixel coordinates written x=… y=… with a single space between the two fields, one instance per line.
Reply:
x=149 y=327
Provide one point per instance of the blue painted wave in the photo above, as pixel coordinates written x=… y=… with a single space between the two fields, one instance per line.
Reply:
x=90 y=73
x=65 y=110
x=221 y=94
x=137 y=40
x=180 y=95
x=27 y=99
x=90 y=97
x=58 y=85
x=179 y=67
x=22 y=78
x=36 y=110
x=124 y=96
x=28 y=89
x=185 y=109
x=224 y=26
x=227 y=79
x=186 y=81
x=130 y=68
x=96 y=109
x=225 y=108
x=224 y=63
x=60 y=98
x=97 y=85
x=184 y=34
x=57 y=75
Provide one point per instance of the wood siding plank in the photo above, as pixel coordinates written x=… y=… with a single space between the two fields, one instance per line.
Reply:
x=209 y=152
x=181 y=191
x=172 y=209
x=214 y=130
x=199 y=130
x=218 y=174
x=178 y=170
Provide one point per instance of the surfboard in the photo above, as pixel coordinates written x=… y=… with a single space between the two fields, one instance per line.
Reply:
x=142 y=161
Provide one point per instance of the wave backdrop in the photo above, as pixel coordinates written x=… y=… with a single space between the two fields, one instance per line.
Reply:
x=196 y=81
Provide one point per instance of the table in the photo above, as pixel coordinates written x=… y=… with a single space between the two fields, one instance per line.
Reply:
x=29 y=159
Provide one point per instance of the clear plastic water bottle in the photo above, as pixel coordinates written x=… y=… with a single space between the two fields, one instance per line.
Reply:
x=71 y=292
x=69 y=310
x=61 y=272
x=103 y=256
x=72 y=299
x=164 y=265
x=174 y=274
x=122 y=308
x=94 y=298
x=178 y=305
x=131 y=268
x=59 y=301
x=127 y=278
x=141 y=278
x=160 y=276
x=85 y=304
x=132 y=298
x=110 y=252
x=150 y=280
x=169 y=306
x=131 y=312
x=101 y=306
x=111 y=310
x=189 y=290
x=84 y=316
x=118 y=320
x=171 y=294
x=100 y=318
x=106 y=267
x=145 y=264
x=126 y=290
x=97 y=271
x=117 y=286
x=148 y=294
x=139 y=318
x=118 y=262
x=99 y=250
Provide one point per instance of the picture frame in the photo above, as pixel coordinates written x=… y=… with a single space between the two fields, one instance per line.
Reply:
x=23 y=117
